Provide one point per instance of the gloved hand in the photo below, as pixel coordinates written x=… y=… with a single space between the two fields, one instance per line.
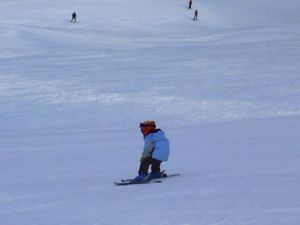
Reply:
x=142 y=159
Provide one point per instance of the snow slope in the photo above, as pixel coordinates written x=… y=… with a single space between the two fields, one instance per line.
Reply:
x=224 y=88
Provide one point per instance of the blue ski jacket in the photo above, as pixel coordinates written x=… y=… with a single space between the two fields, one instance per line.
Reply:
x=156 y=145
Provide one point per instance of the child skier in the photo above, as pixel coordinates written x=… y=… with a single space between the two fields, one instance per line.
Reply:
x=156 y=149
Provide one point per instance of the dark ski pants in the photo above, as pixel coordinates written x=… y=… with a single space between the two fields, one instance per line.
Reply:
x=145 y=164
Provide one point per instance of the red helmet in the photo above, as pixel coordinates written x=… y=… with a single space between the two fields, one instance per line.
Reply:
x=148 y=123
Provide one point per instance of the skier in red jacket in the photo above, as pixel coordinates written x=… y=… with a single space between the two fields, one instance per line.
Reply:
x=190 y=4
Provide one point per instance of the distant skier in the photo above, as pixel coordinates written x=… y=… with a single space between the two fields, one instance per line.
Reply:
x=196 y=15
x=156 y=149
x=190 y=4
x=74 y=16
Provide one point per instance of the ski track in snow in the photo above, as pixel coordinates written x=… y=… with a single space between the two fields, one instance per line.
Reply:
x=63 y=84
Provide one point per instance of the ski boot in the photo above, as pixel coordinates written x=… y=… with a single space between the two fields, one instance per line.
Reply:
x=141 y=177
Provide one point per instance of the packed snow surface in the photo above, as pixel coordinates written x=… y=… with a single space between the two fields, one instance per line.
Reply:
x=225 y=89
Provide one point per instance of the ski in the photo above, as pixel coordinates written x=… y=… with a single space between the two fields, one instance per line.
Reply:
x=134 y=182
x=162 y=177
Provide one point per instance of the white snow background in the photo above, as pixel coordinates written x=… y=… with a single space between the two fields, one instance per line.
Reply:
x=225 y=89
